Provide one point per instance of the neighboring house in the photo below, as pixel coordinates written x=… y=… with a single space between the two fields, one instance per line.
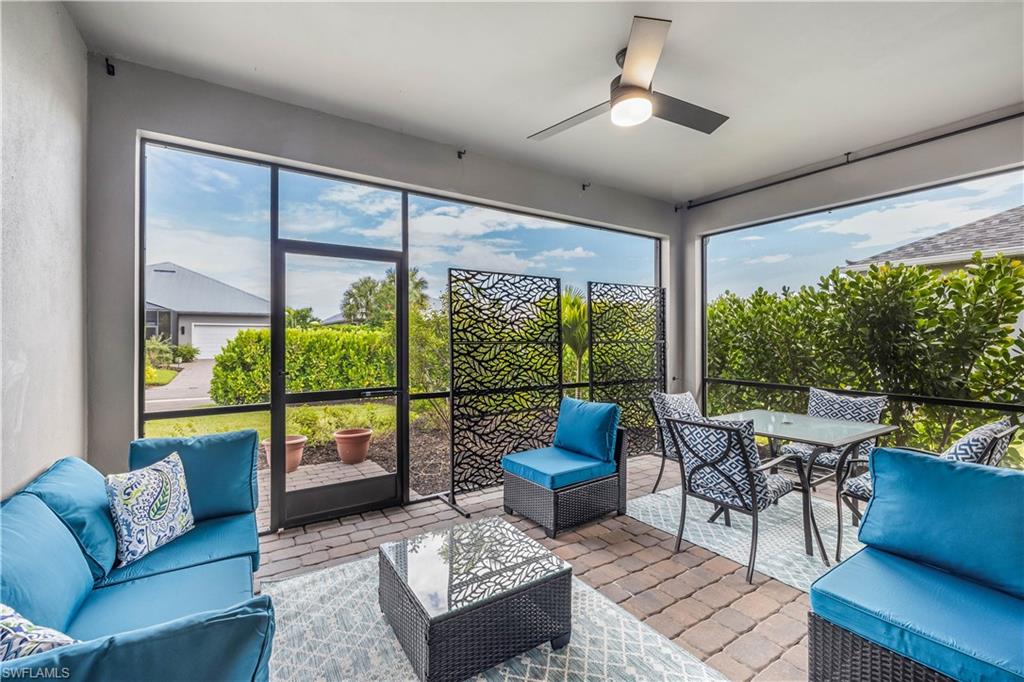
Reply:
x=1002 y=233
x=336 y=318
x=189 y=307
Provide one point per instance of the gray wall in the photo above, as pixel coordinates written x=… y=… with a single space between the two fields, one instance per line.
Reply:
x=992 y=148
x=43 y=314
x=153 y=101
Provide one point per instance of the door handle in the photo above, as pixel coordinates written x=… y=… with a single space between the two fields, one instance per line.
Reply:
x=378 y=393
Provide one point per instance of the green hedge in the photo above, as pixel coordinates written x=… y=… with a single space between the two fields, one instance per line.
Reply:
x=316 y=359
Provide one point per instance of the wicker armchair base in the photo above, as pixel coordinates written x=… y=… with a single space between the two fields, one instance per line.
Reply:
x=838 y=655
x=565 y=508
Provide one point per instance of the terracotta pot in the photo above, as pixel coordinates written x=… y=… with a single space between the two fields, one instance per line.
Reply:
x=353 y=445
x=293 y=446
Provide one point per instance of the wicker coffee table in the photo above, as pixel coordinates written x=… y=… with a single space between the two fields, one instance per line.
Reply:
x=466 y=598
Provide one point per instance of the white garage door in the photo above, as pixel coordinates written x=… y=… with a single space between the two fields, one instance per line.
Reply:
x=210 y=338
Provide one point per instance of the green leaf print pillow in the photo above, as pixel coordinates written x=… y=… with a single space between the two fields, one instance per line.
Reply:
x=150 y=507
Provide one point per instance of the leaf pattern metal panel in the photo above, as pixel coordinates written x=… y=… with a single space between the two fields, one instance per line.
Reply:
x=627 y=354
x=505 y=372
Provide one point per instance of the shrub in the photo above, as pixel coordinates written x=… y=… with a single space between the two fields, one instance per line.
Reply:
x=150 y=375
x=316 y=359
x=186 y=352
x=158 y=351
x=319 y=422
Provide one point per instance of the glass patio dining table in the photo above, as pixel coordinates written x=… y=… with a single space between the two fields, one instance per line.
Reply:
x=821 y=433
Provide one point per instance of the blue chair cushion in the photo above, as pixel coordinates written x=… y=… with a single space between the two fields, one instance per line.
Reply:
x=964 y=518
x=162 y=597
x=587 y=428
x=43 y=574
x=210 y=540
x=955 y=626
x=77 y=494
x=554 y=467
x=220 y=469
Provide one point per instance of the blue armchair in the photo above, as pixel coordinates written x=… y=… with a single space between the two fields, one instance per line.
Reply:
x=581 y=477
x=184 y=611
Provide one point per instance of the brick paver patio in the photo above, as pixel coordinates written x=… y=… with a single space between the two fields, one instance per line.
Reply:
x=696 y=598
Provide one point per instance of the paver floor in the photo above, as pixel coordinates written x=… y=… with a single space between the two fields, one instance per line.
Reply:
x=696 y=598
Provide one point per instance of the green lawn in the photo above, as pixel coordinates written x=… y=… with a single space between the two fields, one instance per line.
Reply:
x=316 y=422
x=161 y=376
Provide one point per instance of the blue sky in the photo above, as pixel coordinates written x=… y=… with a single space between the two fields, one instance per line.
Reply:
x=798 y=251
x=213 y=215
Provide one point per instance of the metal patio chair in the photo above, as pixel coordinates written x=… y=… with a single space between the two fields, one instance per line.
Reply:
x=720 y=464
x=664 y=405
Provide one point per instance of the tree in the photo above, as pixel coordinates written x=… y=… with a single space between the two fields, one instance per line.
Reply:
x=300 y=318
x=575 y=331
x=359 y=300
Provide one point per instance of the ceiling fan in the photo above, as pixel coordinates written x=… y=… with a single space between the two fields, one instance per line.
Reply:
x=632 y=100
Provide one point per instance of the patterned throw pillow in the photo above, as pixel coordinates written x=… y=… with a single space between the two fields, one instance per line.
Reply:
x=19 y=637
x=971 y=447
x=865 y=409
x=150 y=507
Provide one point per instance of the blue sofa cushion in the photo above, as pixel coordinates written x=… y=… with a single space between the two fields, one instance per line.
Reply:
x=220 y=469
x=210 y=540
x=162 y=597
x=958 y=627
x=961 y=517
x=587 y=428
x=235 y=643
x=554 y=467
x=76 y=493
x=43 y=574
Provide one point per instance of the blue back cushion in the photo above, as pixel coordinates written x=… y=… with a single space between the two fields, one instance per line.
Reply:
x=963 y=518
x=587 y=428
x=77 y=493
x=220 y=469
x=43 y=574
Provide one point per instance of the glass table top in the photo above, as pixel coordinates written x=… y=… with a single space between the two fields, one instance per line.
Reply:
x=463 y=566
x=802 y=428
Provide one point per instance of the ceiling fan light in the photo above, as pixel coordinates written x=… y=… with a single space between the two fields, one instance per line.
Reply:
x=631 y=111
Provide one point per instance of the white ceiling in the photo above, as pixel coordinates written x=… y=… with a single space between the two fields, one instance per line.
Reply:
x=801 y=81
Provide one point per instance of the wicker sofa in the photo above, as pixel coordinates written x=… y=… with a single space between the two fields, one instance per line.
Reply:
x=938 y=591
x=581 y=477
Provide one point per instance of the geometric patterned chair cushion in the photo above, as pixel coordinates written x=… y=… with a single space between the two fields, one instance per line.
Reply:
x=150 y=507
x=19 y=637
x=717 y=464
x=677 y=406
x=972 y=446
x=829 y=405
x=859 y=486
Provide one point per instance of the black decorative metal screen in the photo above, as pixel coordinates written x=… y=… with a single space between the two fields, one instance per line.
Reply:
x=506 y=366
x=627 y=354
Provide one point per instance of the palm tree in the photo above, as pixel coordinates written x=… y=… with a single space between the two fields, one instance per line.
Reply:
x=574 y=329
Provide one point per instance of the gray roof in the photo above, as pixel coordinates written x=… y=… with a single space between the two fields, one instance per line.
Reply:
x=171 y=286
x=336 y=318
x=1000 y=233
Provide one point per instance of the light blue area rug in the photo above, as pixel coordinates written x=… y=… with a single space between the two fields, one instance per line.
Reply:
x=330 y=627
x=780 y=547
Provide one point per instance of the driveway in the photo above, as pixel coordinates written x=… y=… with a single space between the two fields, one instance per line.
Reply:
x=190 y=388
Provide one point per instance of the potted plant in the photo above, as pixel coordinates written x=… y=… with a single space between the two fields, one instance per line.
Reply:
x=353 y=444
x=293 y=447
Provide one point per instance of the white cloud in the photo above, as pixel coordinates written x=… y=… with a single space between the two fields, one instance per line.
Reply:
x=773 y=258
x=363 y=199
x=578 y=252
x=565 y=269
x=810 y=225
x=243 y=262
x=752 y=238
x=320 y=283
x=210 y=179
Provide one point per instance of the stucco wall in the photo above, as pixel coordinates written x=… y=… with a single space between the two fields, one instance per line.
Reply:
x=144 y=99
x=43 y=315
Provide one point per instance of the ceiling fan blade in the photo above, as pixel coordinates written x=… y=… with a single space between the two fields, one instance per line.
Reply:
x=571 y=121
x=686 y=114
x=646 y=40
